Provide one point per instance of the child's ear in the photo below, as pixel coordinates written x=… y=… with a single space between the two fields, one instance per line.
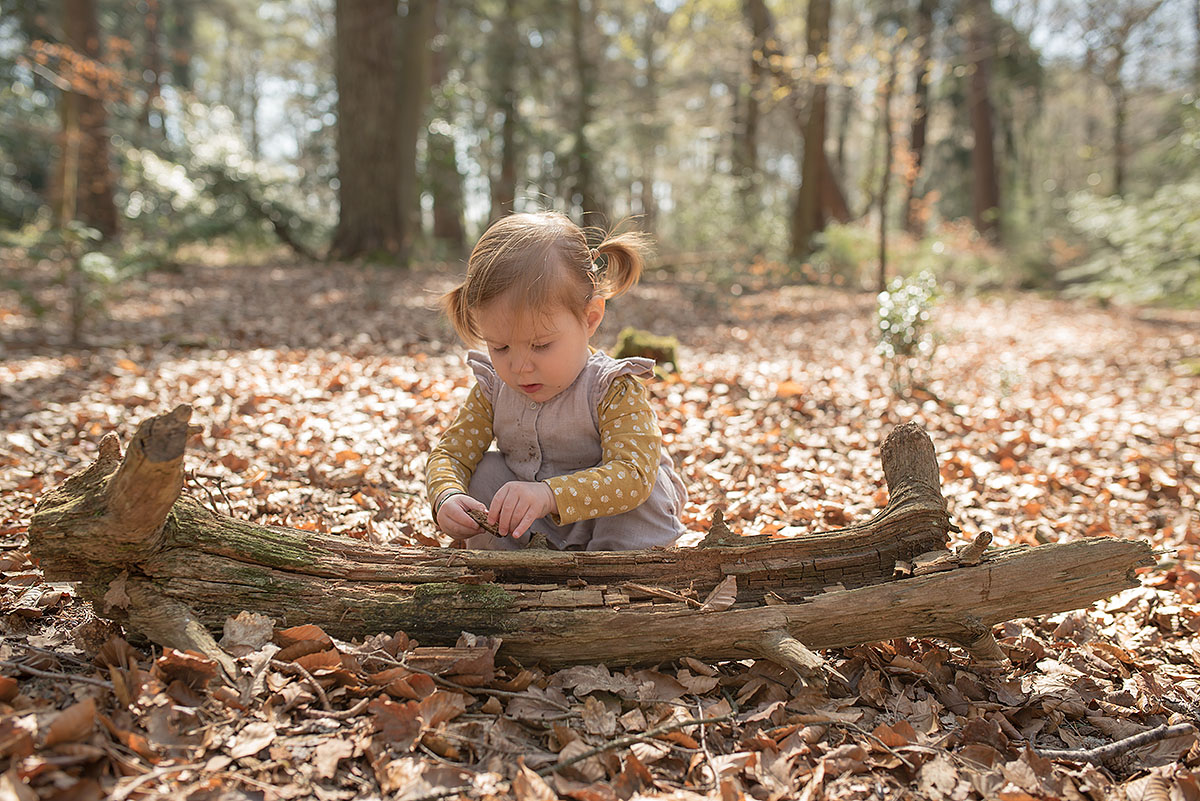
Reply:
x=593 y=314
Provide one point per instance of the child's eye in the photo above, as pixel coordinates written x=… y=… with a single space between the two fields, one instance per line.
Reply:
x=543 y=346
x=499 y=348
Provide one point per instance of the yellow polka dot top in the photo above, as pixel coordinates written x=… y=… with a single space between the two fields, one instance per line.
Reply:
x=630 y=442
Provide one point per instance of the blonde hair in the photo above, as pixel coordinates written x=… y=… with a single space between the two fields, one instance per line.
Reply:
x=545 y=260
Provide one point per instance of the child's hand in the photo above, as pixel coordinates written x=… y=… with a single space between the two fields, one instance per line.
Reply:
x=453 y=519
x=518 y=503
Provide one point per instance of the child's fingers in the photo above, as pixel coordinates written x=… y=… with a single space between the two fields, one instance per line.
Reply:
x=526 y=521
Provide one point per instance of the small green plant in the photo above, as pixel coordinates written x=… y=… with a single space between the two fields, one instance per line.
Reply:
x=904 y=314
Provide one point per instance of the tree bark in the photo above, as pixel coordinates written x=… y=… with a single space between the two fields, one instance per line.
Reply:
x=370 y=222
x=415 y=78
x=985 y=194
x=445 y=179
x=584 y=186
x=174 y=570
x=84 y=181
x=504 y=57
x=885 y=181
x=808 y=217
x=914 y=221
x=824 y=199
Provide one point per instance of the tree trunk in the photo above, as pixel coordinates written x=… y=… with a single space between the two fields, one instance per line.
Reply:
x=84 y=181
x=369 y=220
x=985 y=194
x=1120 y=117
x=151 y=117
x=181 y=38
x=885 y=181
x=584 y=189
x=415 y=66
x=828 y=201
x=914 y=221
x=745 y=145
x=649 y=128
x=809 y=217
x=174 y=570
x=445 y=180
x=504 y=58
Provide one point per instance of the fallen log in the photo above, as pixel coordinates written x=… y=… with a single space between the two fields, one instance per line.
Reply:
x=162 y=563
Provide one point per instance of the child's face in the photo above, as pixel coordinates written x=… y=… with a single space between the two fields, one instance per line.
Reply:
x=539 y=355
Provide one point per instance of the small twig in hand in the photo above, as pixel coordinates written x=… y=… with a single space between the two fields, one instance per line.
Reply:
x=480 y=518
x=1100 y=754
x=298 y=670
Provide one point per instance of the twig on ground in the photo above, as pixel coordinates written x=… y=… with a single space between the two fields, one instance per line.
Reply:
x=344 y=714
x=298 y=670
x=1100 y=754
x=121 y=792
x=49 y=674
x=630 y=739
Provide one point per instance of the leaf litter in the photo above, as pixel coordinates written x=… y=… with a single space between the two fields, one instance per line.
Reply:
x=320 y=389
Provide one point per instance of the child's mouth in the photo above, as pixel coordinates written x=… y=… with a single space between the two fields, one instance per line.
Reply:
x=529 y=389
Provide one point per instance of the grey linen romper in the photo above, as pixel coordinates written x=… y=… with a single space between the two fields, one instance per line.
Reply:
x=536 y=441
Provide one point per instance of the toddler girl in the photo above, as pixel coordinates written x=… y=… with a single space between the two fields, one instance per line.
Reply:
x=579 y=454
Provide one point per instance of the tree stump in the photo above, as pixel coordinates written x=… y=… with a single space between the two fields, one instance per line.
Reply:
x=162 y=563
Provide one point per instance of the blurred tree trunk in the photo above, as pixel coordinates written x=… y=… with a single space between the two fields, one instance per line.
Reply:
x=1114 y=28
x=445 y=180
x=985 y=194
x=369 y=222
x=914 y=221
x=745 y=145
x=415 y=65
x=152 y=69
x=504 y=58
x=251 y=97
x=181 y=39
x=885 y=181
x=584 y=189
x=809 y=215
x=649 y=131
x=84 y=177
x=826 y=200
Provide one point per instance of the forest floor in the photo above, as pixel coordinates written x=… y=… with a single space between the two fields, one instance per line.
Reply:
x=321 y=389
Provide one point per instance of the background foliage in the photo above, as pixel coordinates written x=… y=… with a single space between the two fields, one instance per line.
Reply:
x=223 y=123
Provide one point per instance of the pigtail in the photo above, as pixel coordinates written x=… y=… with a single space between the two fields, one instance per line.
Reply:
x=626 y=256
x=454 y=304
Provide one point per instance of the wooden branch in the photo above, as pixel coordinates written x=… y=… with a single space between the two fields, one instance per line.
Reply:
x=175 y=571
x=1103 y=753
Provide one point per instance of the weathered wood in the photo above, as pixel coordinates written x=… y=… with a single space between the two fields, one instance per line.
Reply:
x=194 y=568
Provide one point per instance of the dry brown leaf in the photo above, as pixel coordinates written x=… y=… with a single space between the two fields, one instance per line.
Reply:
x=246 y=632
x=252 y=738
x=528 y=786
x=722 y=596
x=327 y=755
x=73 y=724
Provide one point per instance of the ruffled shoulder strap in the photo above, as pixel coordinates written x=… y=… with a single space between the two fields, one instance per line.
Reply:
x=609 y=369
x=485 y=373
